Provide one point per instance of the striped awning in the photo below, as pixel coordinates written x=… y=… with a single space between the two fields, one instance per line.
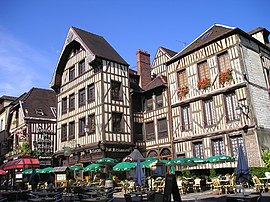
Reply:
x=60 y=169
x=21 y=163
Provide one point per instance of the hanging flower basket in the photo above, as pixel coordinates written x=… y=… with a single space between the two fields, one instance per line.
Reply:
x=182 y=91
x=225 y=76
x=204 y=83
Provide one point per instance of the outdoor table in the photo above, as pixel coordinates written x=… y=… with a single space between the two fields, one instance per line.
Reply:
x=241 y=197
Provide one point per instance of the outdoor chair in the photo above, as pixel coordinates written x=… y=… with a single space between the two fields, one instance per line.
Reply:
x=128 y=197
x=131 y=186
x=257 y=184
x=197 y=184
x=3 y=199
x=216 y=185
x=180 y=186
x=59 y=197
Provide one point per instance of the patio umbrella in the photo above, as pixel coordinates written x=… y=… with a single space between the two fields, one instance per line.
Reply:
x=2 y=172
x=148 y=163
x=139 y=175
x=242 y=169
x=75 y=168
x=30 y=171
x=94 y=167
x=182 y=161
x=221 y=158
x=47 y=170
x=124 y=166
x=107 y=161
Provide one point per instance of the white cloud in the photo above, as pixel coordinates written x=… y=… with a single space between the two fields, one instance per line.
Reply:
x=21 y=66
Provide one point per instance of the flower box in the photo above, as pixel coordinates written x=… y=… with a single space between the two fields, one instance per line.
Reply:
x=225 y=76
x=204 y=83
x=182 y=91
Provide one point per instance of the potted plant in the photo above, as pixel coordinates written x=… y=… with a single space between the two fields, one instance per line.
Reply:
x=204 y=83
x=225 y=76
x=182 y=91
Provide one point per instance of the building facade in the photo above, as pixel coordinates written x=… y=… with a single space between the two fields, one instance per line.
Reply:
x=219 y=95
x=93 y=100
x=5 y=105
x=32 y=126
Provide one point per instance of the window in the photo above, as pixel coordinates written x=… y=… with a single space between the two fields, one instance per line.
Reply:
x=39 y=112
x=198 y=149
x=159 y=101
x=71 y=130
x=91 y=123
x=81 y=126
x=72 y=73
x=150 y=131
x=64 y=132
x=186 y=118
x=116 y=122
x=203 y=70
x=81 y=67
x=162 y=128
x=64 y=105
x=148 y=104
x=71 y=102
x=236 y=141
x=116 y=90
x=138 y=131
x=218 y=147
x=91 y=93
x=223 y=62
x=182 y=78
x=209 y=113
x=231 y=103
x=82 y=97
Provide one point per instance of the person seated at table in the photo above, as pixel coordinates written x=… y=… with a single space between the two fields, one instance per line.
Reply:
x=50 y=184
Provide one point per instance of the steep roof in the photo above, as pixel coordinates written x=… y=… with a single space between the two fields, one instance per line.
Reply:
x=96 y=45
x=258 y=29
x=99 y=46
x=212 y=34
x=159 y=81
x=39 y=99
x=6 y=97
x=171 y=53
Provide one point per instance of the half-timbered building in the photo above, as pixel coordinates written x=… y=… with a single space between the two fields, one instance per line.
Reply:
x=93 y=100
x=32 y=126
x=219 y=95
x=6 y=102
x=152 y=121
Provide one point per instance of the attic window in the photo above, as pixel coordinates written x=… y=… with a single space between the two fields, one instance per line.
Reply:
x=39 y=112
x=205 y=36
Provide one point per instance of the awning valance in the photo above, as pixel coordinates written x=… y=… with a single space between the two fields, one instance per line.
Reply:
x=60 y=169
x=24 y=163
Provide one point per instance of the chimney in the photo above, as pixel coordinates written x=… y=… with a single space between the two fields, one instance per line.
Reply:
x=143 y=67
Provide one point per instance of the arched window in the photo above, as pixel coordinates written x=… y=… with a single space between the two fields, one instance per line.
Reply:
x=152 y=154
x=165 y=153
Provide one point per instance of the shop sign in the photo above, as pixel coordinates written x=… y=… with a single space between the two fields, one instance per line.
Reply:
x=112 y=149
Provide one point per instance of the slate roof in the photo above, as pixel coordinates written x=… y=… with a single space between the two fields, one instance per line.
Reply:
x=6 y=97
x=159 y=81
x=38 y=98
x=256 y=30
x=99 y=46
x=214 y=33
x=171 y=53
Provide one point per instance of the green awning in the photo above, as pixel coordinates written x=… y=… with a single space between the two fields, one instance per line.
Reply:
x=75 y=167
x=107 y=161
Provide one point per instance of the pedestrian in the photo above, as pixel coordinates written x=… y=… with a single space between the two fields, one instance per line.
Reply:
x=34 y=180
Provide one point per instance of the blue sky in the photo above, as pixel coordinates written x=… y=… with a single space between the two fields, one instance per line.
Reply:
x=32 y=32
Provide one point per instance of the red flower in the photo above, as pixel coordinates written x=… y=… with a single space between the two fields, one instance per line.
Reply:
x=204 y=83
x=225 y=76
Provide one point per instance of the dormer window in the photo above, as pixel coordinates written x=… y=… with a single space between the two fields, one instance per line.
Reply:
x=39 y=112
